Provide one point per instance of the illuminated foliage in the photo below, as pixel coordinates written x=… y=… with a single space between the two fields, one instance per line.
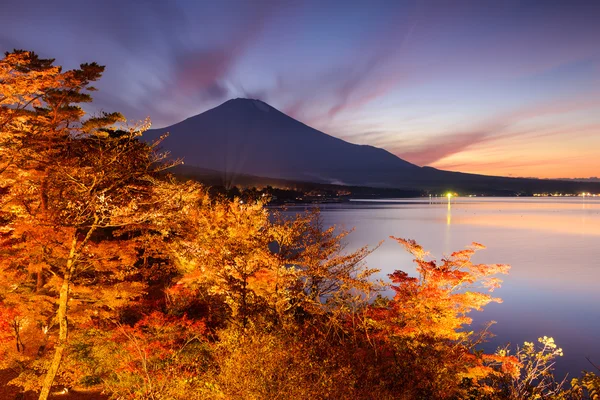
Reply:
x=436 y=303
x=588 y=385
x=424 y=326
x=77 y=197
x=114 y=275
x=158 y=357
x=535 y=377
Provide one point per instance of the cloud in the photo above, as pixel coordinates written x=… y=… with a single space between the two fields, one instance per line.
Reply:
x=374 y=70
x=428 y=44
x=329 y=63
x=436 y=148
x=507 y=165
x=501 y=127
x=168 y=60
x=364 y=82
x=202 y=72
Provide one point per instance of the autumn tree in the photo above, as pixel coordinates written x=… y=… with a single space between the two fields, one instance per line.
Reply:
x=112 y=273
x=332 y=286
x=77 y=194
x=587 y=386
x=284 y=292
x=84 y=215
x=535 y=377
x=425 y=324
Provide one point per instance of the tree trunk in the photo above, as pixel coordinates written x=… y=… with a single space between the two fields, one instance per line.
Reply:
x=44 y=203
x=62 y=324
x=39 y=281
x=244 y=306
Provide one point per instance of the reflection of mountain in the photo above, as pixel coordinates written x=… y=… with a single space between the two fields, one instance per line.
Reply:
x=249 y=137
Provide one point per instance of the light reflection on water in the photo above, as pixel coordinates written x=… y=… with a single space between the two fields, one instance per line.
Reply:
x=553 y=245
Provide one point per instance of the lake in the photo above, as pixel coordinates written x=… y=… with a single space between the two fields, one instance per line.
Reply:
x=552 y=244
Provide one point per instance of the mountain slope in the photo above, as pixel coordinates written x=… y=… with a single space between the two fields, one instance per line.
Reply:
x=249 y=137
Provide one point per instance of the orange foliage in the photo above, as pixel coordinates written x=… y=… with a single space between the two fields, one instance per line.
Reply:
x=76 y=205
x=167 y=292
x=424 y=324
x=436 y=303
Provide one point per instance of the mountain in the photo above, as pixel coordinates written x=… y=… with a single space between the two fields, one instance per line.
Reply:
x=249 y=137
x=245 y=136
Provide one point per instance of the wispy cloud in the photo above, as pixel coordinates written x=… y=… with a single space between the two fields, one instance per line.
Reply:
x=500 y=127
x=436 y=148
x=372 y=71
x=335 y=64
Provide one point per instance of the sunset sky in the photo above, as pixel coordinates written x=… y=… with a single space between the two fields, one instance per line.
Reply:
x=494 y=87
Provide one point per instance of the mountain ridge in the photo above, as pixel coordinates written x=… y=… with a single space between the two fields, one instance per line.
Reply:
x=248 y=136
x=253 y=137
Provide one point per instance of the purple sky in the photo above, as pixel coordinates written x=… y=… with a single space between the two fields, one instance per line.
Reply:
x=496 y=87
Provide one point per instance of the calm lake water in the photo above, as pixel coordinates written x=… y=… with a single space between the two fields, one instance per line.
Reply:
x=552 y=244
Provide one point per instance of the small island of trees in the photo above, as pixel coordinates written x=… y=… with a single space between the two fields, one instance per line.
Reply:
x=121 y=281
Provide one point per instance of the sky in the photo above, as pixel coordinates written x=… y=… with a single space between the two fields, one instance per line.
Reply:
x=505 y=87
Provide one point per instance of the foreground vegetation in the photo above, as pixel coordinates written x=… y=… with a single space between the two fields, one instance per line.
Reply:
x=117 y=277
